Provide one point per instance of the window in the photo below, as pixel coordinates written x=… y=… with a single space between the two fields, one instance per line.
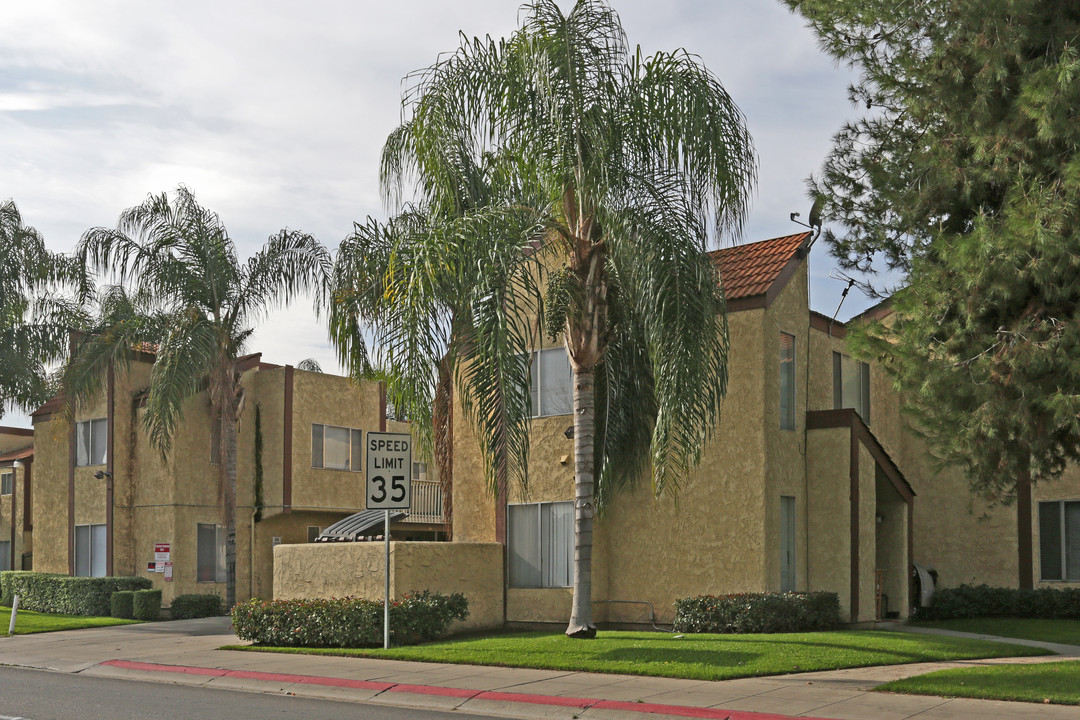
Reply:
x=211 y=553
x=6 y=481
x=419 y=471
x=1059 y=540
x=851 y=385
x=5 y=555
x=787 y=543
x=541 y=544
x=90 y=550
x=787 y=381
x=91 y=437
x=551 y=383
x=336 y=448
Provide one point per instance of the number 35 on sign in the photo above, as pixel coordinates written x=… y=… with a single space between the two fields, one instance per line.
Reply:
x=389 y=471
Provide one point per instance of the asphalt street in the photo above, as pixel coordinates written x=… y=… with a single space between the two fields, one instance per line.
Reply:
x=45 y=695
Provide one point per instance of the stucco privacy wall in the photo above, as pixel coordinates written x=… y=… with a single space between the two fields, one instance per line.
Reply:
x=356 y=570
x=829 y=557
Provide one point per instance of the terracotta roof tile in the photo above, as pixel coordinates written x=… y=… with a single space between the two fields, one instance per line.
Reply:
x=748 y=270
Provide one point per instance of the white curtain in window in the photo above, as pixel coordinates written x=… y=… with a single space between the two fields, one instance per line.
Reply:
x=557 y=394
x=82 y=550
x=97 y=550
x=100 y=431
x=523 y=531
x=557 y=531
x=336 y=448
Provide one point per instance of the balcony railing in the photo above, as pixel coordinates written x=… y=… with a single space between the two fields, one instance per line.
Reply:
x=426 y=503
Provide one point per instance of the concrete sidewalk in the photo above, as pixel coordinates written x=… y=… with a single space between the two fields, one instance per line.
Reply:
x=186 y=652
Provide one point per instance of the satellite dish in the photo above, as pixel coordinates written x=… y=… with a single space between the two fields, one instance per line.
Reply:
x=815 y=212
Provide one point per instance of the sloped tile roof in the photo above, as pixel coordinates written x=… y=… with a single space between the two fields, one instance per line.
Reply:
x=17 y=454
x=750 y=269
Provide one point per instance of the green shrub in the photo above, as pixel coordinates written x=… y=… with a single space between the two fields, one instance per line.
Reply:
x=194 y=605
x=972 y=601
x=146 y=604
x=758 y=613
x=347 y=622
x=51 y=593
x=122 y=604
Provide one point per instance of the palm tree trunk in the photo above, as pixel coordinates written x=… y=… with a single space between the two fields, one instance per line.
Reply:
x=444 y=441
x=228 y=441
x=581 y=625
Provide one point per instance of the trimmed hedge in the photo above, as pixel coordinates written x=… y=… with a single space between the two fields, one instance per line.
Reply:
x=971 y=601
x=146 y=604
x=52 y=593
x=758 y=613
x=195 y=605
x=122 y=604
x=347 y=622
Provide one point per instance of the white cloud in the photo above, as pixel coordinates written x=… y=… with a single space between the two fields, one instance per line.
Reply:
x=274 y=113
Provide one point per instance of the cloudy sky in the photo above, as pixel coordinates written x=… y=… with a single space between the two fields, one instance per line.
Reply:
x=274 y=113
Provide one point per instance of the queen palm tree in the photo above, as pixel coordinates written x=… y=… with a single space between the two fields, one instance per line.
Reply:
x=636 y=160
x=34 y=320
x=198 y=303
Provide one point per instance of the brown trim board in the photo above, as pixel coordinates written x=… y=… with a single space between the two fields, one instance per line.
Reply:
x=28 y=488
x=287 y=442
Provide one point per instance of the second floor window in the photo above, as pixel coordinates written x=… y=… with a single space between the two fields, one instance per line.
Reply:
x=336 y=448
x=91 y=439
x=787 y=381
x=551 y=383
x=851 y=385
x=6 y=481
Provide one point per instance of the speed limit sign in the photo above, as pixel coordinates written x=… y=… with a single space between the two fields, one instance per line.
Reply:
x=389 y=471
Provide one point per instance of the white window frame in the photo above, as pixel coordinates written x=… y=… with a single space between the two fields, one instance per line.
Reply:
x=219 y=571
x=536 y=376
x=542 y=550
x=1063 y=550
x=96 y=559
x=7 y=482
x=787 y=418
x=91 y=447
x=356 y=443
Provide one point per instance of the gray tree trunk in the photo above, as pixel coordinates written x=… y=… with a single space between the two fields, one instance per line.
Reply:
x=581 y=625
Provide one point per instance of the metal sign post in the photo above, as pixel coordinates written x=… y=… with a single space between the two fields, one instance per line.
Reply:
x=388 y=479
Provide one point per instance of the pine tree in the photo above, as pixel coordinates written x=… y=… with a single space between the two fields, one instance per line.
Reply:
x=965 y=174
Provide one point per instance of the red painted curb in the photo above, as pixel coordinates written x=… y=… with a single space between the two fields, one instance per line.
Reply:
x=561 y=701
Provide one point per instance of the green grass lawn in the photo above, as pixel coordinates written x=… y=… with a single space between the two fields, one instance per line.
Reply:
x=1055 y=631
x=703 y=657
x=1057 y=682
x=35 y=622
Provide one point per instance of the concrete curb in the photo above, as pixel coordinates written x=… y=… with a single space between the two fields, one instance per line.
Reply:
x=460 y=693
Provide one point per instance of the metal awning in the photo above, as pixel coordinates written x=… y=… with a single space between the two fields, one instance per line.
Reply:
x=357 y=526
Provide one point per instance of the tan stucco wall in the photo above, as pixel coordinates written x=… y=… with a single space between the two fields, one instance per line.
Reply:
x=867 y=535
x=891 y=549
x=357 y=570
x=829 y=522
x=50 y=496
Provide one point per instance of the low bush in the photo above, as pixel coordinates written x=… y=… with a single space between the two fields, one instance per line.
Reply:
x=51 y=593
x=195 y=605
x=758 y=613
x=122 y=604
x=973 y=601
x=146 y=604
x=347 y=622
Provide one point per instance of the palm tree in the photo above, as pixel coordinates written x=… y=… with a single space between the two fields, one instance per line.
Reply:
x=34 y=321
x=638 y=159
x=191 y=296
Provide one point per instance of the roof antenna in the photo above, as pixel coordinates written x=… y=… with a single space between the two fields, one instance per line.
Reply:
x=815 y=223
x=843 y=296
